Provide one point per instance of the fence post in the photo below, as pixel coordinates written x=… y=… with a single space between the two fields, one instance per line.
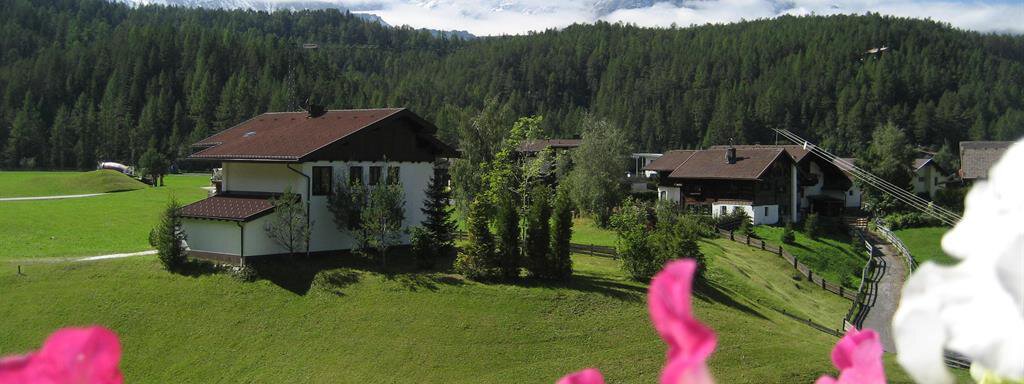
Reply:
x=810 y=275
x=731 y=236
x=823 y=284
x=748 y=240
x=840 y=289
x=780 y=250
x=762 y=244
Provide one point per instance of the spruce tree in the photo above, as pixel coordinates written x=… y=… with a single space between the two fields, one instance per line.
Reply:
x=538 y=233
x=509 y=251
x=439 y=225
x=561 y=235
x=478 y=260
x=168 y=239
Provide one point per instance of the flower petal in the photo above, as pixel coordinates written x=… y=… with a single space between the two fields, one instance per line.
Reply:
x=858 y=355
x=586 y=376
x=70 y=355
x=975 y=308
x=689 y=342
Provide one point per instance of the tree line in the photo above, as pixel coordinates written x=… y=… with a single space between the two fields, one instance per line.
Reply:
x=82 y=81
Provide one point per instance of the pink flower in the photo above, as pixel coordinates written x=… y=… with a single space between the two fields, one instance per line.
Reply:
x=586 y=376
x=70 y=355
x=858 y=355
x=689 y=342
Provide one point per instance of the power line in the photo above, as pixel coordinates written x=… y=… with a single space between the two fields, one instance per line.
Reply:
x=942 y=214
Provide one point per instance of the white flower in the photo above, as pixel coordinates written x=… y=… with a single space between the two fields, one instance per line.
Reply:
x=975 y=308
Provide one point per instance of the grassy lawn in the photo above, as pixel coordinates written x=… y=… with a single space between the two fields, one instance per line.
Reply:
x=830 y=255
x=584 y=231
x=926 y=244
x=366 y=326
x=23 y=184
x=113 y=223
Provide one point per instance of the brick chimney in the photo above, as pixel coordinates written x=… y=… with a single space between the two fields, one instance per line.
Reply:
x=730 y=155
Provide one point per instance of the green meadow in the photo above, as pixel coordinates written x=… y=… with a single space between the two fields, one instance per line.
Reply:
x=87 y=226
x=925 y=244
x=29 y=184
x=831 y=255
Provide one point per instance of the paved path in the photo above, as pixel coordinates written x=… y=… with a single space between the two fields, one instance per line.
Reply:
x=891 y=271
x=50 y=197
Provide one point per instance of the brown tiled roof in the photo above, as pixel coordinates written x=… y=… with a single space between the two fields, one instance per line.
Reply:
x=288 y=136
x=233 y=207
x=750 y=164
x=976 y=157
x=918 y=163
x=538 y=145
x=795 y=152
x=670 y=160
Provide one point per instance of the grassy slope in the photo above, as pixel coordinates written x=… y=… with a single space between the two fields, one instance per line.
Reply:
x=431 y=327
x=89 y=226
x=925 y=244
x=830 y=255
x=21 y=184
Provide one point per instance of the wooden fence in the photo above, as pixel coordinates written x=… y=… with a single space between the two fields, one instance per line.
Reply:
x=855 y=316
x=593 y=250
x=803 y=269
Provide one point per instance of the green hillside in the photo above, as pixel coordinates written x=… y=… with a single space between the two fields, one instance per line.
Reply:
x=24 y=184
x=98 y=225
x=430 y=327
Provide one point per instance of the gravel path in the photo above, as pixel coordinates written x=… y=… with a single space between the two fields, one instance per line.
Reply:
x=77 y=259
x=892 y=271
x=50 y=197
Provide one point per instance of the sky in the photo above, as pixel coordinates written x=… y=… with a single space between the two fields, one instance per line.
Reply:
x=497 y=17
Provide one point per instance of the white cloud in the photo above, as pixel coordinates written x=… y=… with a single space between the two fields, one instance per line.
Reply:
x=495 y=17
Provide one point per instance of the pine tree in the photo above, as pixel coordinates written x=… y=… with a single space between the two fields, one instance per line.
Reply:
x=509 y=251
x=438 y=223
x=168 y=238
x=25 y=141
x=538 y=233
x=561 y=235
x=478 y=261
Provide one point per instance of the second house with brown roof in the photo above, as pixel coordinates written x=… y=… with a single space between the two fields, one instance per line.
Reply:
x=308 y=154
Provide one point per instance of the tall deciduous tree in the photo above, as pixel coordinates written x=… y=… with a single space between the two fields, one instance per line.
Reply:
x=381 y=219
x=599 y=167
x=890 y=157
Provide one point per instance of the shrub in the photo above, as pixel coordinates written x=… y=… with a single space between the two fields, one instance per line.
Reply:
x=288 y=226
x=951 y=199
x=910 y=220
x=561 y=235
x=812 y=227
x=168 y=239
x=630 y=223
x=788 y=237
x=478 y=261
x=675 y=236
x=244 y=273
x=424 y=249
x=538 y=232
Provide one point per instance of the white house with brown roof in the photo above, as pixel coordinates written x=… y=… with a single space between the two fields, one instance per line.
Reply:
x=308 y=154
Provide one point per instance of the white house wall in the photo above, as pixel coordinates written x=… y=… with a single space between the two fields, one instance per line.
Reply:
x=326 y=236
x=261 y=177
x=756 y=212
x=256 y=241
x=215 y=236
x=925 y=181
x=668 y=193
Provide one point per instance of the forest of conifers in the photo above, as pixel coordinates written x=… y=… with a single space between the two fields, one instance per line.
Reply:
x=88 y=80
